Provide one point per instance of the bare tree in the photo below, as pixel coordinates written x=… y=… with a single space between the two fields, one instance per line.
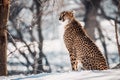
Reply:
x=39 y=14
x=37 y=56
x=4 y=10
x=91 y=22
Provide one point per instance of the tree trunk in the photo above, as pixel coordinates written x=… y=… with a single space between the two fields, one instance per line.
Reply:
x=39 y=15
x=4 y=10
x=91 y=22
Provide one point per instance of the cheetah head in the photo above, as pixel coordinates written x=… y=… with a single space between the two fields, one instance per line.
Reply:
x=66 y=15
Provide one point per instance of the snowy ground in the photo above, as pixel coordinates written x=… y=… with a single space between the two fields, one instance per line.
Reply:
x=81 y=75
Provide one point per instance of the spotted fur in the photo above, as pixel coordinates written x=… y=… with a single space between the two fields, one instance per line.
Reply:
x=80 y=46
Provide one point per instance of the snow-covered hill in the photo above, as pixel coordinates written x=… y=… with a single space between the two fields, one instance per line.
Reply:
x=81 y=75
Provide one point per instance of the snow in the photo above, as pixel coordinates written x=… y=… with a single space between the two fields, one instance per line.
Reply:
x=80 y=75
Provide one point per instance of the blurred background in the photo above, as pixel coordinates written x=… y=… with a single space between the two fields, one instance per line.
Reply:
x=35 y=36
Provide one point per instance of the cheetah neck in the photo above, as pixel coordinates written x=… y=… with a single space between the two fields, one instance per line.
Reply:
x=74 y=25
x=68 y=23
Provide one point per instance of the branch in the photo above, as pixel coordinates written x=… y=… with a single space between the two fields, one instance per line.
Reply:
x=103 y=14
x=116 y=34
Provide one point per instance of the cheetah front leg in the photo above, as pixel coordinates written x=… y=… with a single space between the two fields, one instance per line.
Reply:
x=73 y=57
x=72 y=51
x=74 y=62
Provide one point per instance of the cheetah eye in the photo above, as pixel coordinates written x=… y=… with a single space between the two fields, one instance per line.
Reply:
x=63 y=15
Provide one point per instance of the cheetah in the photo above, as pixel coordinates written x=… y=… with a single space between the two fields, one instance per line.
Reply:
x=80 y=47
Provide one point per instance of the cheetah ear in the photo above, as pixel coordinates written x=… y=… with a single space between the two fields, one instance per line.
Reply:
x=73 y=11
